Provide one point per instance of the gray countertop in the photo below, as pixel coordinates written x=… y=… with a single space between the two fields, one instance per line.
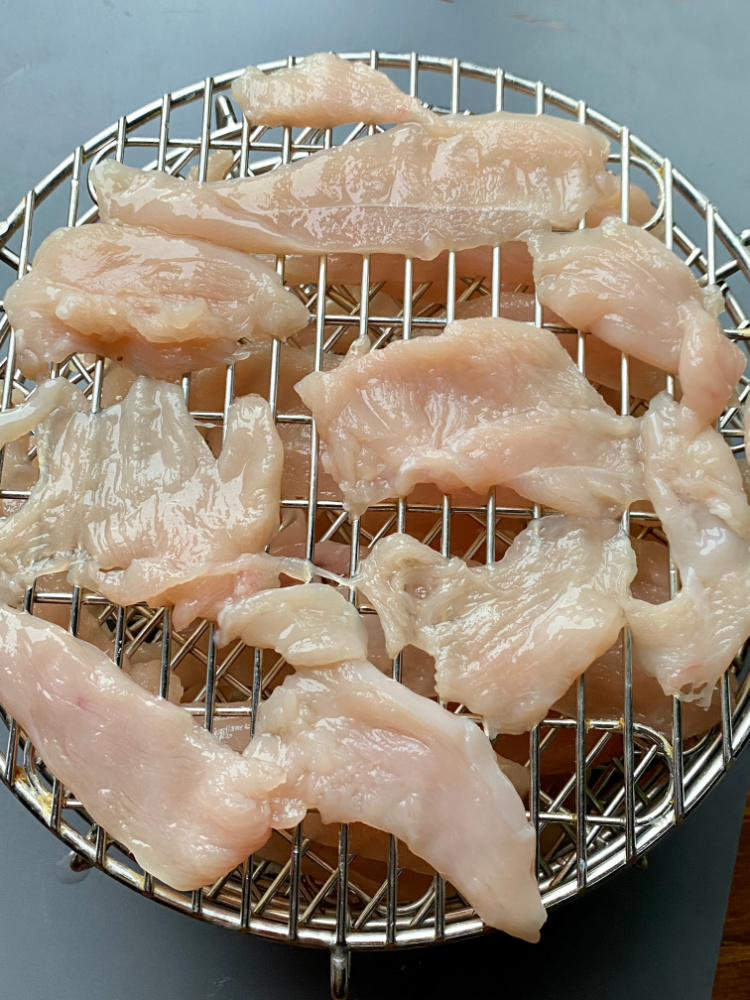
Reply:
x=676 y=73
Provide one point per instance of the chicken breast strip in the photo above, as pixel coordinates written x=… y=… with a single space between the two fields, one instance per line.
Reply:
x=624 y=286
x=188 y=808
x=322 y=91
x=605 y=677
x=508 y=638
x=488 y=402
x=414 y=190
x=162 y=305
x=133 y=503
x=345 y=740
x=696 y=488
x=359 y=747
x=310 y=626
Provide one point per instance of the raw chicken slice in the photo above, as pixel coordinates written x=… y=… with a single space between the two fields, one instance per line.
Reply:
x=603 y=362
x=132 y=500
x=627 y=288
x=487 y=402
x=605 y=680
x=516 y=265
x=415 y=190
x=187 y=807
x=360 y=747
x=509 y=638
x=310 y=626
x=163 y=306
x=219 y=164
x=322 y=91
x=696 y=488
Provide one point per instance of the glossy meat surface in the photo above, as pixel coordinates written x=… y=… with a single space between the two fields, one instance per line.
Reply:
x=132 y=500
x=322 y=91
x=359 y=747
x=310 y=626
x=624 y=286
x=488 y=402
x=605 y=678
x=508 y=638
x=415 y=190
x=696 y=488
x=162 y=305
x=189 y=808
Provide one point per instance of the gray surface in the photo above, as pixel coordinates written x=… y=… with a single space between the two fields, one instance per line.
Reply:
x=648 y=934
x=676 y=72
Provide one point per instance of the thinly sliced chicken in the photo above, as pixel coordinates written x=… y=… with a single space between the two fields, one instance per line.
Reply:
x=415 y=190
x=310 y=626
x=163 y=306
x=696 y=488
x=132 y=500
x=322 y=91
x=188 y=808
x=624 y=286
x=509 y=638
x=516 y=264
x=486 y=403
x=605 y=678
x=360 y=747
x=346 y=741
x=147 y=674
x=603 y=363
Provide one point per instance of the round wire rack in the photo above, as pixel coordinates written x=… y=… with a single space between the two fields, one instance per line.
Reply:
x=603 y=790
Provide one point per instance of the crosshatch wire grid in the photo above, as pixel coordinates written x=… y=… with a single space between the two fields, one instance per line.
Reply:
x=624 y=785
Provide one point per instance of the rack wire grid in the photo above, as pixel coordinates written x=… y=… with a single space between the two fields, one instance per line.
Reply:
x=621 y=785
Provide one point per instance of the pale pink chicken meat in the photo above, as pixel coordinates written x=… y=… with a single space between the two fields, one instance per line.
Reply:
x=322 y=91
x=415 y=189
x=605 y=678
x=624 y=286
x=516 y=264
x=344 y=740
x=508 y=638
x=132 y=501
x=310 y=626
x=188 y=808
x=696 y=488
x=162 y=305
x=488 y=402
x=359 y=747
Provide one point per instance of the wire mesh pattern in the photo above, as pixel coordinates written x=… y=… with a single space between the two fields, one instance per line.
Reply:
x=603 y=790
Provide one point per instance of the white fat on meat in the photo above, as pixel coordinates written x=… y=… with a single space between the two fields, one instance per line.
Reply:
x=488 y=402
x=696 y=488
x=322 y=91
x=359 y=747
x=188 y=808
x=162 y=305
x=465 y=181
x=508 y=638
x=133 y=503
x=624 y=286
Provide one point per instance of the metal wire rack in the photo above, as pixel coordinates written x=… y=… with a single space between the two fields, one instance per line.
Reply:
x=603 y=790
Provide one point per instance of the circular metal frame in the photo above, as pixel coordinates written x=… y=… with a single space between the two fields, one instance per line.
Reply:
x=627 y=785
